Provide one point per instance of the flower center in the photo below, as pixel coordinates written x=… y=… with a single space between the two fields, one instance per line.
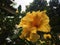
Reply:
x=36 y=22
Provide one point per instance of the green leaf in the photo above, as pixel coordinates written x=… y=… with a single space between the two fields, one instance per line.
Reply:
x=19 y=33
x=15 y=36
x=19 y=8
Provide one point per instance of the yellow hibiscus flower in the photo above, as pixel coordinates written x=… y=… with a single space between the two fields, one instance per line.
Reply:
x=33 y=22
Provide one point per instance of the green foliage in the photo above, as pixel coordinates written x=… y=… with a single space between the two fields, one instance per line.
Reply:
x=15 y=36
x=37 y=5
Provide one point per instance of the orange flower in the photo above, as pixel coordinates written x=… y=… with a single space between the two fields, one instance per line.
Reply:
x=33 y=22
